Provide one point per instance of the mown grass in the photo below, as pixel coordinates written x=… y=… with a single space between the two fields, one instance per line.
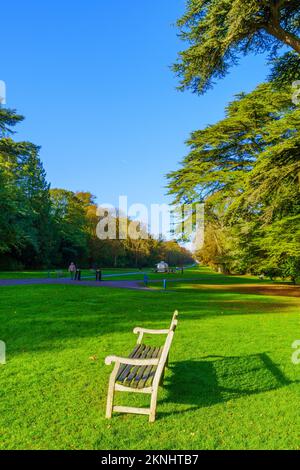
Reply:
x=231 y=382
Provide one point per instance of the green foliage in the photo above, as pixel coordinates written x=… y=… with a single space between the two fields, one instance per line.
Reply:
x=8 y=118
x=223 y=153
x=25 y=203
x=247 y=168
x=40 y=227
x=285 y=69
x=69 y=221
x=291 y=268
x=218 y=32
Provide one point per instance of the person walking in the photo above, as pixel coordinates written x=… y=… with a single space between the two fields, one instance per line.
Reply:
x=72 y=270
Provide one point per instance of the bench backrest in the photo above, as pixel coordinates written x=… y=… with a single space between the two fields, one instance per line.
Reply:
x=174 y=319
x=165 y=351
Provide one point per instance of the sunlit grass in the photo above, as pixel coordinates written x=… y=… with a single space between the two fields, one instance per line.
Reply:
x=231 y=382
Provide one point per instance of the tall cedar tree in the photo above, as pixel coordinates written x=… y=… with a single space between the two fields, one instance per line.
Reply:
x=218 y=32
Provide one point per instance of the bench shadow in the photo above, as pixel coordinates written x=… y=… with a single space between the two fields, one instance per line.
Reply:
x=217 y=379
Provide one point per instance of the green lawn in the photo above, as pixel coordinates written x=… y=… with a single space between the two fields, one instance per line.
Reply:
x=23 y=274
x=231 y=382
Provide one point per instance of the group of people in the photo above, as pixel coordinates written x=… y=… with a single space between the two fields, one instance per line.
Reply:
x=75 y=273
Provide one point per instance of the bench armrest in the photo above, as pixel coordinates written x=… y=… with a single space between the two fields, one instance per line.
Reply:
x=130 y=361
x=146 y=331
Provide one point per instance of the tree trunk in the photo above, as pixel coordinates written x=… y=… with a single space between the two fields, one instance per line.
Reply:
x=284 y=36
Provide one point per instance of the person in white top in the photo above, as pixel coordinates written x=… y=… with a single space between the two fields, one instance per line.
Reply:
x=72 y=270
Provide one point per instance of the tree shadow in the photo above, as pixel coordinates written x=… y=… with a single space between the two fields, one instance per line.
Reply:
x=218 y=379
x=51 y=318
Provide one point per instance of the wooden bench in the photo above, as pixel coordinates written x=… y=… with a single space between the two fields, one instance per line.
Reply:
x=141 y=372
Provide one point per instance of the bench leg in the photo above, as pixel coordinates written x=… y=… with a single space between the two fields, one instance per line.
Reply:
x=153 y=404
x=111 y=392
x=162 y=378
x=167 y=361
x=110 y=402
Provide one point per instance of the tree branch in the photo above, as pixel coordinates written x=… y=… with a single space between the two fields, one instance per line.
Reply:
x=274 y=27
x=286 y=37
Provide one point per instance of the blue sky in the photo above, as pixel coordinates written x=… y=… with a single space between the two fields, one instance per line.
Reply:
x=93 y=79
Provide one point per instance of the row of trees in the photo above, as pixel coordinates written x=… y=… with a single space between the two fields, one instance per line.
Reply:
x=44 y=227
x=245 y=167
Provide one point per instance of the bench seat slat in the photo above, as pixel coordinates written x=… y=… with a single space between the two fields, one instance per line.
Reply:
x=146 y=373
x=138 y=371
x=134 y=370
x=125 y=369
x=138 y=376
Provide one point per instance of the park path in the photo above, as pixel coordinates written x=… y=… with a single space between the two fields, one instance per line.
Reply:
x=126 y=284
x=133 y=285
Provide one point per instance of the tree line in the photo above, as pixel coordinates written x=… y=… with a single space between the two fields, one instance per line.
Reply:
x=246 y=167
x=42 y=227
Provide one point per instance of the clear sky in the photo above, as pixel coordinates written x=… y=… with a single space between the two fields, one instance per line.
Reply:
x=93 y=79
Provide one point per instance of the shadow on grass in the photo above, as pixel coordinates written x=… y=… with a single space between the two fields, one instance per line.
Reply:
x=250 y=290
x=211 y=279
x=218 y=379
x=48 y=318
